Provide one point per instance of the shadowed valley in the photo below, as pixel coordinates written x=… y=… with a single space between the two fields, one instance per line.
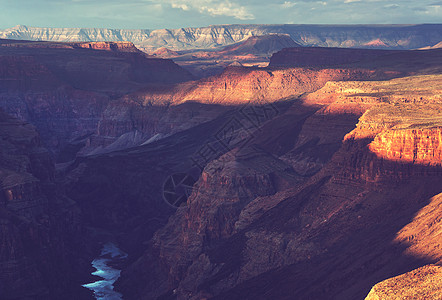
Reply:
x=315 y=177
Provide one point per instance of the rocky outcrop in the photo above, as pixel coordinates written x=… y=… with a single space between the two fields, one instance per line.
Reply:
x=357 y=36
x=108 y=46
x=420 y=146
x=422 y=283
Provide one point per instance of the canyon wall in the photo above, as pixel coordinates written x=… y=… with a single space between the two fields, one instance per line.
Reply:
x=136 y=113
x=63 y=88
x=308 y=180
x=319 y=201
x=353 y=36
x=41 y=233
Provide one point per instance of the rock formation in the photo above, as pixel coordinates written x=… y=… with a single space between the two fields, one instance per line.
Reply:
x=355 y=36
x=423 y=283
x=253 y=51
x=147 y=112
x=312 y=182
x=41 y=235
x=63 y=88
x=310 y=211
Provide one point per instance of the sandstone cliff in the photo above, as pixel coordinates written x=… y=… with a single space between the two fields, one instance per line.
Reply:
x=358 y=36
x=329 y=201
x=305 y=175
x=422 y=283
x=148 y=112
x=63 y=89
x=166 y=110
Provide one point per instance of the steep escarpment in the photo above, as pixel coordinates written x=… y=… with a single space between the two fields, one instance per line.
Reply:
x=63 y=88
x=122 y=191
x=357 y=36
x=117 y=97
x=148 y=113
x=239 y=85
x=40 y=229
x=164 y=110
x=332 y=203
x=318 y=181
x=97 y=66
x=127 y=123
x=232 y=193
x=420 y=146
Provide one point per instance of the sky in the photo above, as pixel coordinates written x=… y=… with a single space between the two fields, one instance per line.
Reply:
x=155 y=14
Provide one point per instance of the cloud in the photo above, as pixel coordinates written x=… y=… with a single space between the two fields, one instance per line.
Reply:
x=392 y=6
x=214 y=8
x=288 y=4
x=435 y=5
x=351 y=1
x=180 y=6
x=228 y=9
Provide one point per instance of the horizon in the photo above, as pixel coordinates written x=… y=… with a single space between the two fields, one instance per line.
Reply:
x=234 y=24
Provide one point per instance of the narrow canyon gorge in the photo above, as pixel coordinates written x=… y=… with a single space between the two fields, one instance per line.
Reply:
x=315 y=176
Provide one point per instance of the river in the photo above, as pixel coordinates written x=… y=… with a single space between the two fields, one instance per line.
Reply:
x=104 y=289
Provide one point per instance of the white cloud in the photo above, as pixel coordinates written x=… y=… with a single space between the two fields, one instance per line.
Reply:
x=227 y=9
x=180 y=6
x=351 y=1
x=214 y=8
x=288 y=4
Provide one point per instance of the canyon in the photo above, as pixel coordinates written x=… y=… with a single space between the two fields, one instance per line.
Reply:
x=317 y=176
x=309 y=199
x=206 y=51
x=348 y=36
x=41 y=232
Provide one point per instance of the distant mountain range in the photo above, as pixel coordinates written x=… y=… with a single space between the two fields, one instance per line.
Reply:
x=351 y=36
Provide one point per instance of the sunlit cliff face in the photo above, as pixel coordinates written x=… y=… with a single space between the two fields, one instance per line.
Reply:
x=385 y=163
x=328 y=178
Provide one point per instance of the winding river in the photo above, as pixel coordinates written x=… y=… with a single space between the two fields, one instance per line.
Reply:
x=104 y=289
